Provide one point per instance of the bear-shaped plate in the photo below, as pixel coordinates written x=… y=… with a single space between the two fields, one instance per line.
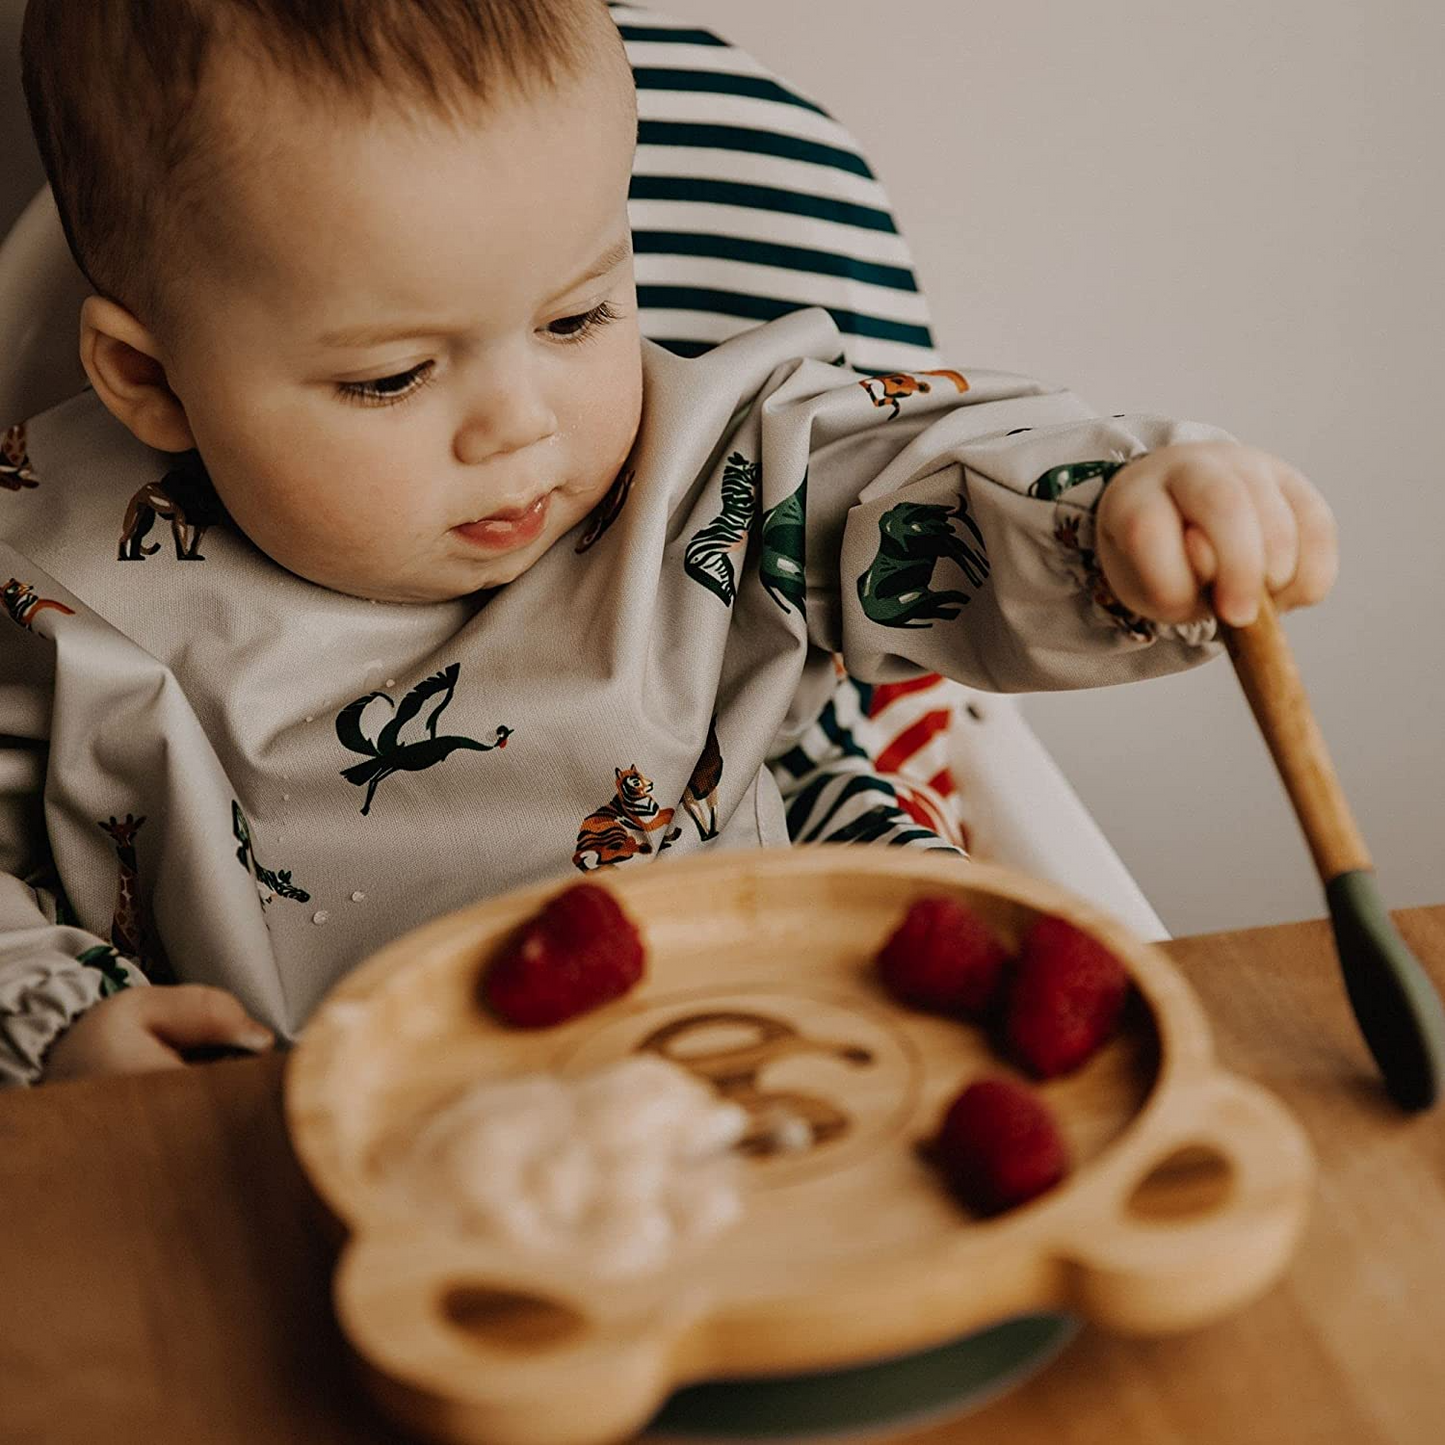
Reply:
x=1187 y=1191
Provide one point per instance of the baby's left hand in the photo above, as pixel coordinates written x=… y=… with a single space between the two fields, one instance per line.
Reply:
x=1202 y=514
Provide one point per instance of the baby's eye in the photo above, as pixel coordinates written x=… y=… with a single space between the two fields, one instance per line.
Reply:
x=581 y=326
x=387 y=390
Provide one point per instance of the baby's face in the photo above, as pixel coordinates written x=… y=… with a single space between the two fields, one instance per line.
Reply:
x=411 y=362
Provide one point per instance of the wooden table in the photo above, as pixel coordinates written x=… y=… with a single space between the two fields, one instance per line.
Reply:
x=165 y=1274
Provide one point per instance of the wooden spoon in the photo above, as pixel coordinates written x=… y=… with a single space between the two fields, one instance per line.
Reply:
x=1397 y=1007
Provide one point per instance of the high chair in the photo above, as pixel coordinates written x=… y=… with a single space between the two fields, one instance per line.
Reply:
x=747 y=201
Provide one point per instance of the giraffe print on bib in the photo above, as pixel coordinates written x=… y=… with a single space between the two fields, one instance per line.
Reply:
x=128 y=930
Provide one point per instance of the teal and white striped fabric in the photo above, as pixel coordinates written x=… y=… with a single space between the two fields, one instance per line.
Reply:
x=749 y=201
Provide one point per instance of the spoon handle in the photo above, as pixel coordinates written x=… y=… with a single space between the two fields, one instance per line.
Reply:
x=1271 y=681
x=1393 y=998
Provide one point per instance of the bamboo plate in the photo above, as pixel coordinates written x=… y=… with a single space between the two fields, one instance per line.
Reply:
x=1187 y=1195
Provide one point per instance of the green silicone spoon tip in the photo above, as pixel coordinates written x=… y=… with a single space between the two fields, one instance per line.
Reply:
x=1398 y=1009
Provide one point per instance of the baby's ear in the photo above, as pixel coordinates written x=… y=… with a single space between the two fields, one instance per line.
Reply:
x=122 y=360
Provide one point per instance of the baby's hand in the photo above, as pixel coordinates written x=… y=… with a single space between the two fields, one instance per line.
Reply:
x=146 y=1028
x=1180 y=519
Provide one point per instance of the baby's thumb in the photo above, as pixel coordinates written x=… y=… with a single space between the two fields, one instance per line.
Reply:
x=191 y=1015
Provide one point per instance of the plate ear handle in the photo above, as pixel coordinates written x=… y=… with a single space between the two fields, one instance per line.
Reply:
x=465 y=1346
x=1209 y=1225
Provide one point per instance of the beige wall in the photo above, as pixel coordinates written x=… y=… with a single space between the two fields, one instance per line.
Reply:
x=1230 y=212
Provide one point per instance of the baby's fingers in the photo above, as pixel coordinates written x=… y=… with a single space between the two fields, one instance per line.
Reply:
x=1223 y=508
x=1281 y=546
x=193 y=1015
x=1318 y=547
x=1201 y=555
x=107 y=1041
x=1142 y=548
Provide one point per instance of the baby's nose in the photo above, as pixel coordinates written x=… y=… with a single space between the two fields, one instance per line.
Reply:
x=505 y=415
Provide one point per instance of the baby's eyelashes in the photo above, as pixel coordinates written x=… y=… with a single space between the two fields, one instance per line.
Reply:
x=583 y=324
x=391 y=390
x=388 y=390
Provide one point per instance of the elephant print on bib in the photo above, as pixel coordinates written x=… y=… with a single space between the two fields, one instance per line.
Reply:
x=914 y=537
x=781 y=567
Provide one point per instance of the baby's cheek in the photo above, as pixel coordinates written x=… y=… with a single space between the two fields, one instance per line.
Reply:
x=615 y=400
x=311 y=531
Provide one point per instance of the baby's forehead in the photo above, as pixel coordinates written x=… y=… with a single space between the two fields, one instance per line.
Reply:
x=381 y=205
x=281 y=156
x=253 y=89
x=255 y=118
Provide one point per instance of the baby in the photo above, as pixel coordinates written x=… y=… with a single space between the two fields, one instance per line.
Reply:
x=433 y=578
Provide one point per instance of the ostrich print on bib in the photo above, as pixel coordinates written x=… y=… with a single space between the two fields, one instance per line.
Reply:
x=388 y=754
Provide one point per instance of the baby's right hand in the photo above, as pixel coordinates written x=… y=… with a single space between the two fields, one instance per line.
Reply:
x=141 y=1029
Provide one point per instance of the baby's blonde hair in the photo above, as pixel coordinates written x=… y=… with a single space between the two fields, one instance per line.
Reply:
x=117 y=94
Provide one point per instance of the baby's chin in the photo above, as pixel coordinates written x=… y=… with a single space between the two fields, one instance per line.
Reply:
x=450 y=580
x=423 y=594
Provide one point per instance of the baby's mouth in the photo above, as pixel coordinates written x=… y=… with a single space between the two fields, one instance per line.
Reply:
x=503 y=531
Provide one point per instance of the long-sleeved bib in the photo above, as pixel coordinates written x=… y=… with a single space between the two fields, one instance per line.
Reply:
x=214 y=771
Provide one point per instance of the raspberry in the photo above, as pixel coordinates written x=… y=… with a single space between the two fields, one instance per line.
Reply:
x=579 y=952
x=998 y=1145
x=1065 y=998
x=943 y=958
